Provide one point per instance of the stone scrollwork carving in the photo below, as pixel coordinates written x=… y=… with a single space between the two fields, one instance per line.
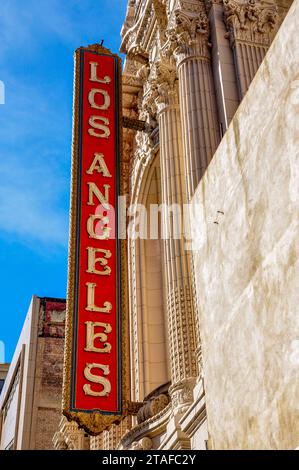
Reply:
x=70 y=437
x=130 y=14
x=164 y=83
x=144 y=145
x=148 y=107
x=144 y=444
x=59 y=441
x=165 y=75
x=152 y=407
x=133 y=39
x=190 y=26
x=250 y=21
x=143 y=73
x=143 y=155
x=188 y=32
x=161 y=16
x=182 y=394
x=138 y=54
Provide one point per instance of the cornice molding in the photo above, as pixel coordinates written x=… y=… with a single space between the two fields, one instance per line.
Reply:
x=130 y=15
x=133 y=38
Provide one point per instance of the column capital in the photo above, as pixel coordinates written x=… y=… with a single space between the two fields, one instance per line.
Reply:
x=188 y=32
x=165 y=85
x=250 y=21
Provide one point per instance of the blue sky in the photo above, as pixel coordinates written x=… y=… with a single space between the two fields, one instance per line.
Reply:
x=37 y=40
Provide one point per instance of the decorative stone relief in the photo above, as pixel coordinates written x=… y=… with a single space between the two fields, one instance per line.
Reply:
x=180 y=304
x=59 y=442
x=149 y=108
x=182 y=394
x=144 y=444
x=130 y=75
x=138 y=54
x=152 y=407
x=70 y=436
x=161 y=15
x=188 y=32
x=128 y=138
x=155 y=425
x=165 y=81
x=250 y=21
x=143 y=73
x=130 y=16
x=133 y=38
x=132 y=87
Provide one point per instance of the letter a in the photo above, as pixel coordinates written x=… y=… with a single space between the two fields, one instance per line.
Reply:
x=99 y=165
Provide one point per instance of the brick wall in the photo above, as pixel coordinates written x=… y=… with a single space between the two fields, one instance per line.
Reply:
x=49 y=373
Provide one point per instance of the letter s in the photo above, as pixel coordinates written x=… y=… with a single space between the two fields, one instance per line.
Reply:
x=97 y=380
x=93 y=122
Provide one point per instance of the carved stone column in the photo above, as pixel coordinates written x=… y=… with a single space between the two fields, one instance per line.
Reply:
x=251 y=26
x=224 y=73
x=188 y=38
x=180 y=309
x=187 y=41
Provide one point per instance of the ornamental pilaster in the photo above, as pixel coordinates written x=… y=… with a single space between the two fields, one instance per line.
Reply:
x=251 y=26
x=188 y=43
x=188 y=47
x=180 y=308
x=250 y=21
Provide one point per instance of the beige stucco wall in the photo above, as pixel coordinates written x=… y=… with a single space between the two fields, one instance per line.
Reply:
x=246 y=261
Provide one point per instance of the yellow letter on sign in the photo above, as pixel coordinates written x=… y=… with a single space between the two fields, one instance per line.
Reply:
x=97 y=379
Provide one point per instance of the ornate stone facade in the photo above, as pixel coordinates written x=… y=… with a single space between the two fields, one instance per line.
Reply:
x=251 y=21
x=251 y=26
x=188 y=65
x=188 y=70
x=247 y=261
x=70 y=437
